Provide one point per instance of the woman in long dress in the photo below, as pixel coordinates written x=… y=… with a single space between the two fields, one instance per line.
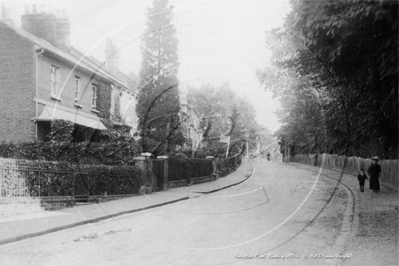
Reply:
x=374 y=172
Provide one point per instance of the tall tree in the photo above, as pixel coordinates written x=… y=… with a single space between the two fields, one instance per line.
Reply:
x=158 y=100
x=341 y=57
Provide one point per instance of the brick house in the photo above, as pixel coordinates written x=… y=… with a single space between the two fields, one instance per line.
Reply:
x=43 y=77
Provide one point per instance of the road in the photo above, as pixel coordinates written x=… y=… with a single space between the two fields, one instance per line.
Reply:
x=279 y=216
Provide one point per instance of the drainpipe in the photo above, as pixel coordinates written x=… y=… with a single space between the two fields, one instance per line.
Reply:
x=38 y=51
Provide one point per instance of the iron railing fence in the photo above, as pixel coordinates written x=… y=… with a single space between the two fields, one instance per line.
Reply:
x=21 y=178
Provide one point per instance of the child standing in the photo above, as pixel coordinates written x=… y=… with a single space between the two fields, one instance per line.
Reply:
x=361 y=177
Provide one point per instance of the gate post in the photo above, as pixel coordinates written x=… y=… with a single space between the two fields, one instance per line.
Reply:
x=141 y=163
x=164 y=171
x=214 y=175
x=166 y=174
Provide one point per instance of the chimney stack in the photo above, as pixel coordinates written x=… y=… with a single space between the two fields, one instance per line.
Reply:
x=6 y=14
x=41 y=25
x=111 y=58
x=63 y=31
x=45 y=25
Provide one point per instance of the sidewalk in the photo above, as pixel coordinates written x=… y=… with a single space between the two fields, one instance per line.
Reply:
x=21 y=227
x=374 y=237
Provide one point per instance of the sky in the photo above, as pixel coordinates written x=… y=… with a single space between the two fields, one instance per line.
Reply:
x=219 y=40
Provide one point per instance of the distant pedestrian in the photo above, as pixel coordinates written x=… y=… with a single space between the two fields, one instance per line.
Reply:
x=374 y=172
x=361 y=177
x=268 y=156
x=316 y=158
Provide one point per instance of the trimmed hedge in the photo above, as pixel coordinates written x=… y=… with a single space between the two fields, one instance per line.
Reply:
x=93 y=153
x=180 y=168
x=226 y=166
x=109 y=180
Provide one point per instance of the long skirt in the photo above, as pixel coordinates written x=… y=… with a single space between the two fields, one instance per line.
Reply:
x=374 y=183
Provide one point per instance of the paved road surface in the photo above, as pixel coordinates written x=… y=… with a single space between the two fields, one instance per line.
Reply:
x=280 y=211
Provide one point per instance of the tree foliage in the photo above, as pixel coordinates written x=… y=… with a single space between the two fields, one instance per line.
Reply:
x=335 y=70
x=116 y=147
x=224 y=113
x=158 y=72
x=104 y=100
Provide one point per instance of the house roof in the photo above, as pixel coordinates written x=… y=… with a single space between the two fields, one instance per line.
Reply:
x=75 y=57
x=94 y=61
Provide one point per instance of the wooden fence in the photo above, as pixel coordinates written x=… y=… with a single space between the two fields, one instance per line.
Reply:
x=389 y=175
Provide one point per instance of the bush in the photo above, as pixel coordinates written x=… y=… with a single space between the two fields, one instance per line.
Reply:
x=107 y=153
x=200 y=154
x=114 y=180
x=180 y=169
x=226 y=166
x=180 y=156
x=117 y=147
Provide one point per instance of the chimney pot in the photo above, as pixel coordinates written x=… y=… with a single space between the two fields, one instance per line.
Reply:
x=6 y=14
x=26 y=9
x=63 y=31
x=40 y=25
x=111 y=57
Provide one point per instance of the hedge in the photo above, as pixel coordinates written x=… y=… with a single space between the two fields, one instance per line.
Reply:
x=180 y=168
x=226 y=166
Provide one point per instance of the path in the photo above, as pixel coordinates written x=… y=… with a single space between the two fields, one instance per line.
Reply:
x=280 y=211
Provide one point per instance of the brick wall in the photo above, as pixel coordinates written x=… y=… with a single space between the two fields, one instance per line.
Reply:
x=21 y=74
x=17 y=87
x=66 y=83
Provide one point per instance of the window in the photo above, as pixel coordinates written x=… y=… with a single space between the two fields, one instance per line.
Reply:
x=54 y=81
x=77 y=89
x=94 y=99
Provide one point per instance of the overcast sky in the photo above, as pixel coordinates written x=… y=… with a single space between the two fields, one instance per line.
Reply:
x=219 y=40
